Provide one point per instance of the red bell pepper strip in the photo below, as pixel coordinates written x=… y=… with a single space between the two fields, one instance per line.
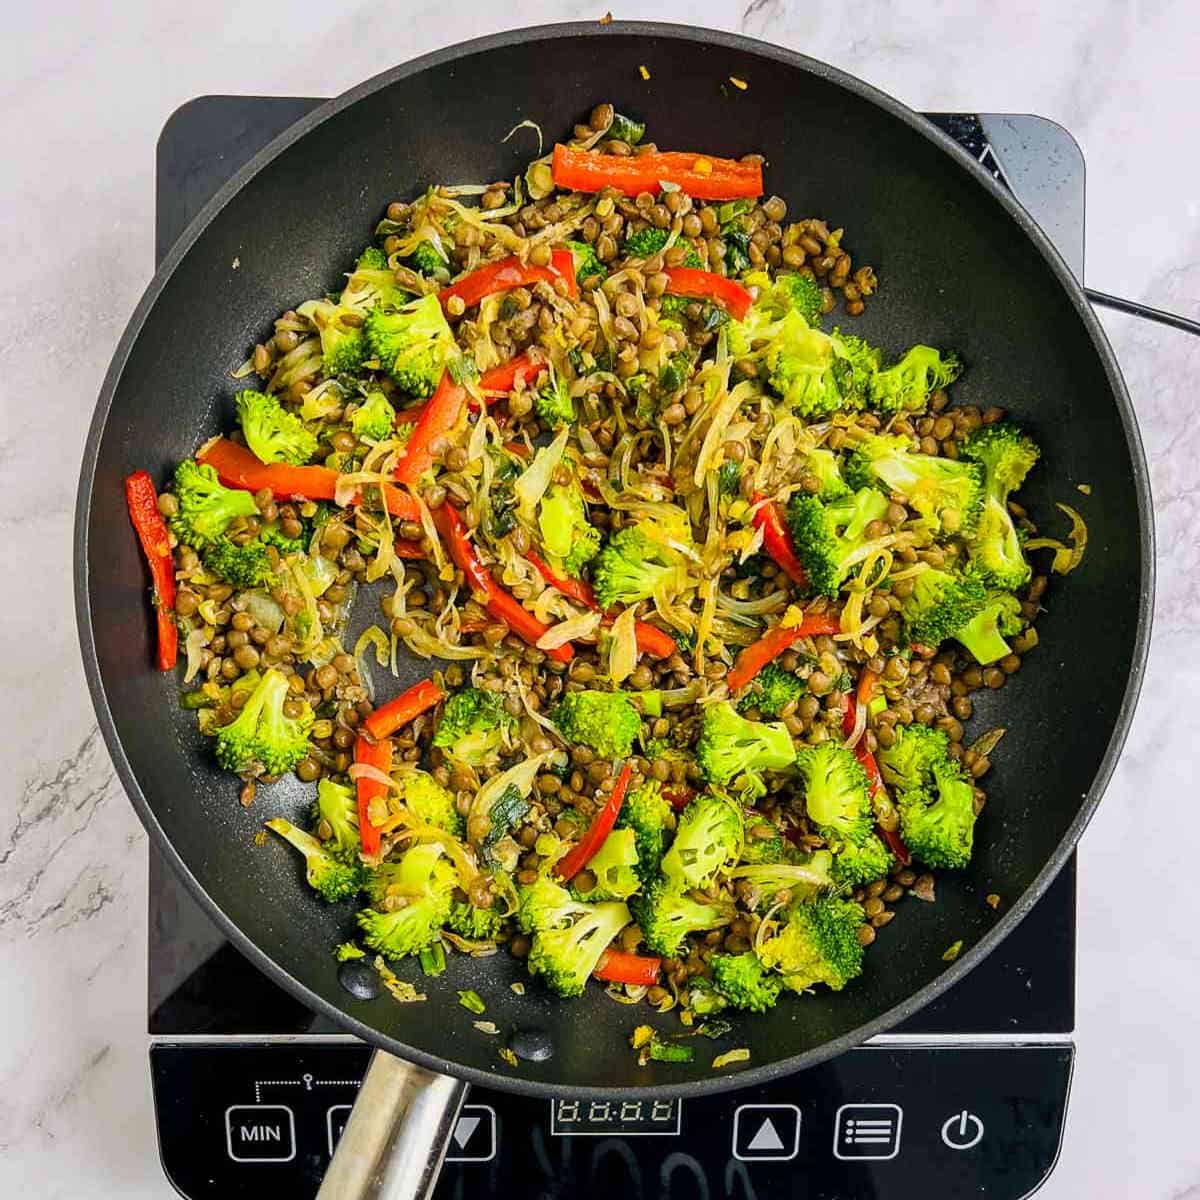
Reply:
x=509 y=273
x=650 y=638
x=142 y=500
x=504 y=377
x=439 y=417
x=699 y=175
x=377 y=755
x=406 y=549
x=777 y=539
x=895 y=843
x=773 y=643
x=705 y=285
x=582 y=853
x=618 y=966
x=237 y=467
x=384 y=721
x=499 y=603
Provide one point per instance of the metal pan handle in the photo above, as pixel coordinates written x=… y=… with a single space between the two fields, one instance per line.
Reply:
x=1134 y=309
x=396 y=1137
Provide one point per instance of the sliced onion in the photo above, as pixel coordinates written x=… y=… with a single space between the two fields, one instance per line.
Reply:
x=359 y=770
x=623 y=652
x=581 y=628
x=860 y=726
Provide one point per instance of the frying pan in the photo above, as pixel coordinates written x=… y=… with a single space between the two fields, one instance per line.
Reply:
x=962 y=265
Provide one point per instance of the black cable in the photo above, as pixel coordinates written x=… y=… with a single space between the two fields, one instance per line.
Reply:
x=1133 y=309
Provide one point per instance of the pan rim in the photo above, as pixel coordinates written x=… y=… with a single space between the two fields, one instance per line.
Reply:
x=1073 y=292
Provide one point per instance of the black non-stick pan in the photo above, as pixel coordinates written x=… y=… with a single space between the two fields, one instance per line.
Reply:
x=962 y=265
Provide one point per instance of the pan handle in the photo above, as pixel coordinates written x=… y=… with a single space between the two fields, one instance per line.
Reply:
x=1134 y=309
x=396 y=1137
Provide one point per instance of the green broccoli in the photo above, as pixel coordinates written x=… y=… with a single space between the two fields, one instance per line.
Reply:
x=566 y=952
x=786 y=293
x=854 y=865
x=823 y=465
x=808 y=876
x=1006 y=455
x=544 y=904
x=477 y=924
x=947 y=492
x=328 y=876
x=586 y=262
x=553 y=405
x=428 y=801
x=337 y=805
x=745 y=982
x=428 y=259
x=940 y=603
x=608 y=722
x=375 y=418
x=244 y=566
x=206 y=506
x=730 y=745
x=372 y=283
x=984 y=634
x=567 y=534
x=940 y=831
x=647 y=812
x=413 y=344
x=614 y=866
x=765 y=843
x=261 y=735
x=704 y=999
x=907 y=762
x=424 y=881
x=771 y=690
x=343 y=347
x=831 y=537
x=905 y=385
x=472 y=725
x=632 y=567
x=271 y=535
x=708 y=838
x=819 y=944
x=667 y=915
x=646 y=243
x=273 y=433
x=836 y=793
x=675 y=308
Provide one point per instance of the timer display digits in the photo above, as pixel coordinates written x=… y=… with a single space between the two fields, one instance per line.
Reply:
x=615 y=1118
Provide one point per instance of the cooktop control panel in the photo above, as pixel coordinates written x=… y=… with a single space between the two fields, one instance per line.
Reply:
x=885 y=1122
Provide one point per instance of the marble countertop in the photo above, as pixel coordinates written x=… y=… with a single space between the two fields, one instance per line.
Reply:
x=85 y=92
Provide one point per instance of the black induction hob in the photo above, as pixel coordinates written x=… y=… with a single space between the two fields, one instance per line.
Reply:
x=967 y=1098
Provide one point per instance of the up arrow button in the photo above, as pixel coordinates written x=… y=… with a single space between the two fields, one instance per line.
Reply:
x=766 y=1132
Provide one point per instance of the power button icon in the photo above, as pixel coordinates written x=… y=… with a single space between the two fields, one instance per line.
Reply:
x=962 y=1131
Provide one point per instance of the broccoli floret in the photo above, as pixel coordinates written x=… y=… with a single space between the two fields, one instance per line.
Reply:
x=605 y=721
x=427 y=800
x=1006 y=455
x=796 y=293
x=337 y=806
x=586 y=262
x=425 y=881
x=646 y=243
x=206 y=506
x=730 y=745
x=372 y=282
x=940 y=603
x=413 y=344
x=567 y=534
x=745 y=982
x=343 y=347
x=246 y=566
x=328 y=876
x=375 y=418
x=803 y=879
x=815 y=373
x=261 y=735
x=566 y=954
x=819 y=944
x=729 y=478
x=947 y=492
x=708 y=837
x=854 y=865
x=907 y=762
x=648 y=814
x=472 y=725
x=667 y=915
x=764 y=850
x=270 y=535
x=830 y=536
x=836 y=793
x=614 y=866
x=675 y=308
x=273 y=433
x=478 y=924
x=984 y=634
x=427 y=259
x=940 y=831
x=553 y=404
x=823 y=465
x=544 y=904
x=905 y=385
x=772 y=689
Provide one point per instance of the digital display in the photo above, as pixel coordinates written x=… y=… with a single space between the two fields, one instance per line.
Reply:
x=615 y=1118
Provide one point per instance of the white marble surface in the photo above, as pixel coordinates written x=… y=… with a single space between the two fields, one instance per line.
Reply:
x=85 y=90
